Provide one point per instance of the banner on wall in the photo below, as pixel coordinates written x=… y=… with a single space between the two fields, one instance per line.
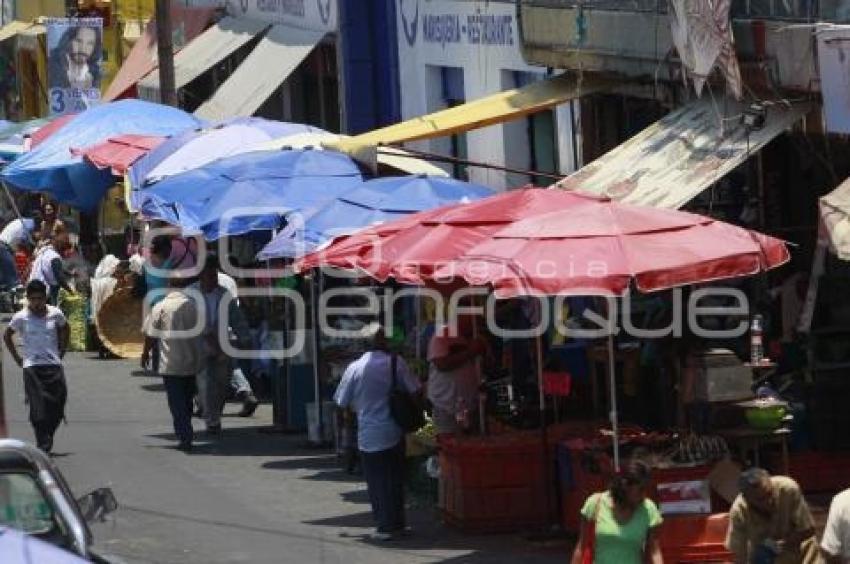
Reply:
x=74 y=63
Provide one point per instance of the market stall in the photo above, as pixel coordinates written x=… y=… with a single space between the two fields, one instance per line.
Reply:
x=500 y=243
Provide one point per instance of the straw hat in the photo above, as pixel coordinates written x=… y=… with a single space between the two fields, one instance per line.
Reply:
x=119 y=324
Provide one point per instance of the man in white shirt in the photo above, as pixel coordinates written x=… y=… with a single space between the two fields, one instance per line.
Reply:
x=173 y=324
x=453 y=378
x=44 y=336
x=365 y=388
x=835 y=543
x=48 y=267
x=16 y=233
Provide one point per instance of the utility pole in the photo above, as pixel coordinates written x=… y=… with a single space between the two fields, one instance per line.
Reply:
x=165 y=53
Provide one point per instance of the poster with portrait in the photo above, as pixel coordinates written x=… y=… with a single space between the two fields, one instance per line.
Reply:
x=74 y=69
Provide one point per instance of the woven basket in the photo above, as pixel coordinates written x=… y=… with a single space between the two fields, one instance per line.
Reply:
x=119 y=324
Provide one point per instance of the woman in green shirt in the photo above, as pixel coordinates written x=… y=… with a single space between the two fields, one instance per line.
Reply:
x=624 y=522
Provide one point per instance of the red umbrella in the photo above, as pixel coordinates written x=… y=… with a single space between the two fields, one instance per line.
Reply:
x=119 y=153
x=547 y=242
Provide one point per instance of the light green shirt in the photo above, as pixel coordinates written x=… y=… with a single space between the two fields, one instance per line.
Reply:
x=618 y=543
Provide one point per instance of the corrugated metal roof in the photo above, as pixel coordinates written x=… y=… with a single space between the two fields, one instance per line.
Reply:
x=270 y=63
x=835 y=215
x=672 y=161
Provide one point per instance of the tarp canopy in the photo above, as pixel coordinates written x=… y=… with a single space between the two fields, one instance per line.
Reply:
x=498 y=108
x=203 y=52
x=835 y=217
x=53 y=125
x=195 y=148
x=376 y=201
x=142 y=59
x=52 y=168
x=390 y=157
x=271 y=62
x=250 y=191
x=551 y=242
x=118 y=153
x=670 y=162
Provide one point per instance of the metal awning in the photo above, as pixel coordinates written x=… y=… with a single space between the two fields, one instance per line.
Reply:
x=498 y=108
x=202 y=53
x=270 y=63
x=12 y=29
x=835 y=218
x=672 y=161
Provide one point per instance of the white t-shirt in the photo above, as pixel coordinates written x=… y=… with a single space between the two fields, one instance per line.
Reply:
x=445 y=388
x=836 y=535
x=39 y=335
x=16 y=231
x=41 y=266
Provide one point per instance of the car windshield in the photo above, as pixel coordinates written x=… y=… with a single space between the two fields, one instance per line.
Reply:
x=23 y=506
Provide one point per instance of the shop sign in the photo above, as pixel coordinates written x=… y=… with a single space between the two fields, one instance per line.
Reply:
x=318 y=15
x=74 y=63
x=444 y=24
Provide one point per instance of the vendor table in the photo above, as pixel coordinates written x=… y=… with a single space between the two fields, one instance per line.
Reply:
x=749 y=439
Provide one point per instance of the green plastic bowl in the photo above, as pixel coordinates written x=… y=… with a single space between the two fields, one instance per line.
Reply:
x=766 y=418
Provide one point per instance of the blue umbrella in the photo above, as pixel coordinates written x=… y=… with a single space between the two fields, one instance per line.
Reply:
x=197 y=147
x=19 y=548
x=270 y=183
x=52 y=168
x=376 y=201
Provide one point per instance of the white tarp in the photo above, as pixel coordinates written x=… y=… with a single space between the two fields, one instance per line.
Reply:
x=270 y=63
x=835 y=219
x=203 y=52
x=702 y=34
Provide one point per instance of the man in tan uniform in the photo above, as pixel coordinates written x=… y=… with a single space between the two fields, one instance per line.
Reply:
x=771 y=522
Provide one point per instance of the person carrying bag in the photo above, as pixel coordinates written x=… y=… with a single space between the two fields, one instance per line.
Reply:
x=620 y=525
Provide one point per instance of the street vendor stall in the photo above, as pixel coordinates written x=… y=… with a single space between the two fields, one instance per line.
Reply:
x=504 y=243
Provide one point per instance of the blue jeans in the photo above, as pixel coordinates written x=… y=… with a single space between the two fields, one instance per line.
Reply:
x=384 y=473
x=180 y=390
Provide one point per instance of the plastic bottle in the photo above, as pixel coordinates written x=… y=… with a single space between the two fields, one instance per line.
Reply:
x=756 y=340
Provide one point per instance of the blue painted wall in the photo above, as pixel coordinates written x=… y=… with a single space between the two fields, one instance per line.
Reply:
x=369 y=64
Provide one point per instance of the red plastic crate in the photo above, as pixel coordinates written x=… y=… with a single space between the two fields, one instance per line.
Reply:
x=695 y=538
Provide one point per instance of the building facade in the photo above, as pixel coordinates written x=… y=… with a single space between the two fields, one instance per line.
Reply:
x=455 y=51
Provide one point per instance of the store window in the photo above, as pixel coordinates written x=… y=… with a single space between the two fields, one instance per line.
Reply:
x=454 y=95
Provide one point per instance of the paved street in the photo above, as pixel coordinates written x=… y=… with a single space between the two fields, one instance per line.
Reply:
x=250 y=497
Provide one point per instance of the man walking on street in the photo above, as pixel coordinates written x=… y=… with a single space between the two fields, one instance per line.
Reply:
x=44 y=336
x=173 y=323
x=214 y=378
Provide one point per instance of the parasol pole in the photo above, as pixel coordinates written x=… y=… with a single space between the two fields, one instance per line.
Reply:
x=317 y=385
x=612 y=384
